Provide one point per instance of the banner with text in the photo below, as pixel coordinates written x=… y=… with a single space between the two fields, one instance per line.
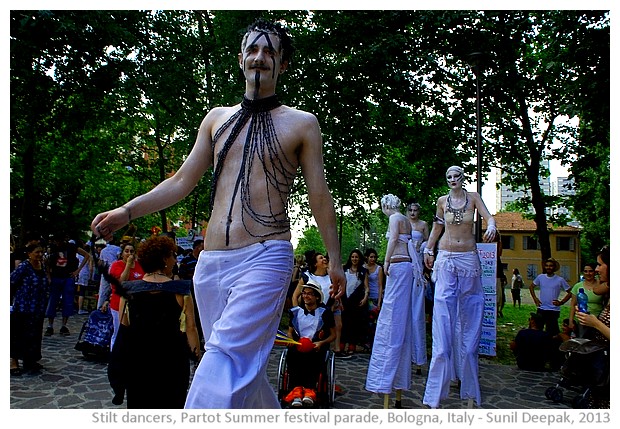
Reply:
x=488 y=261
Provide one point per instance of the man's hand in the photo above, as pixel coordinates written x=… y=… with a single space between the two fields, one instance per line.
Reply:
x=106 y=223
x=429 y=261
x=339 y=282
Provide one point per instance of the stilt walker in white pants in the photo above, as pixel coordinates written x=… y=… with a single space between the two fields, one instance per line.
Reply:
x=419 y=236
x=255 y=149
x=458 y=286
x=390 y=363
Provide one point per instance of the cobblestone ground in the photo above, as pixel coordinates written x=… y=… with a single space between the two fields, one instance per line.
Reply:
x=70 y=381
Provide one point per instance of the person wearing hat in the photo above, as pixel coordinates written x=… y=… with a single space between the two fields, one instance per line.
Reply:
x=310 y=321
x=532 y=346
x=550 y=285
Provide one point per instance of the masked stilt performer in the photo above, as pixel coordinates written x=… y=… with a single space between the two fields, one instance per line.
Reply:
x=419 y=236
x=459 y=298
x=390 y=363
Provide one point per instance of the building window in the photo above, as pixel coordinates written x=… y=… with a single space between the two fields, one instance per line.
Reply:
x=530 y=243
x=532 y=271
x=508 y=242
x=504 y=266
x=565 y=243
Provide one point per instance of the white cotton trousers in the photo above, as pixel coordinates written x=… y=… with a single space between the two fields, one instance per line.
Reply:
x=390 y=363
x=418 y=314
x=459 y=301
x=240 y=294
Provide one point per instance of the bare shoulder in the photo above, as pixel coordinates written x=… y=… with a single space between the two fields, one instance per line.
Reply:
x=300 y=118
x=302 y=115
x=218 y=115
x=302 y=130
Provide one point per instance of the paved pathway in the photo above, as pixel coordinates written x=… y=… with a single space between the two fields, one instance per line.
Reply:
x=70 y=381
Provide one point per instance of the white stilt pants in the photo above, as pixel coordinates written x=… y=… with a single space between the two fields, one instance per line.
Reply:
x=240 y=294
x=457 y=287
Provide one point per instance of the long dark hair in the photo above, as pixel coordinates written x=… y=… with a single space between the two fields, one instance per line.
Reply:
x=361 y=271
x=604 y=255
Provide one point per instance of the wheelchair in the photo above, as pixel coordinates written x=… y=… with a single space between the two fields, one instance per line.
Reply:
x=326 y=384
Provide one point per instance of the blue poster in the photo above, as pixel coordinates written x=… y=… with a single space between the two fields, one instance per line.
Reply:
x=488 y=260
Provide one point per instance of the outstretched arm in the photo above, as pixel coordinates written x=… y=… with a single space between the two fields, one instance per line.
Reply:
x=167 y=193
x=321 y=202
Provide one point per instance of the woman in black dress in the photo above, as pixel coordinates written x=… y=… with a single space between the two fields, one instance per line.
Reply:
x=158 y=334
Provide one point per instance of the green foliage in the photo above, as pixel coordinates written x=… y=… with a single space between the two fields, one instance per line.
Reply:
x=311 y=240
x=106 y=104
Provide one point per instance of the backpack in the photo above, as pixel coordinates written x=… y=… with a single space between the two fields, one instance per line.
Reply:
x=518 y=282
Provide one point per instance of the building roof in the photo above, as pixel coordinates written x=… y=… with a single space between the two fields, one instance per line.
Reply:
x=514 y=221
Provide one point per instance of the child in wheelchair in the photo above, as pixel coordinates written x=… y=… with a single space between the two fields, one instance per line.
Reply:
x=312 y=324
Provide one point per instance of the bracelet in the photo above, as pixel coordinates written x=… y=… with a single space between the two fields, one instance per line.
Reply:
x=128 y=210
x=428 y=251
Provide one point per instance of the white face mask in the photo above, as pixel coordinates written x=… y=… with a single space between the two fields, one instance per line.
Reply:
x=454 y=176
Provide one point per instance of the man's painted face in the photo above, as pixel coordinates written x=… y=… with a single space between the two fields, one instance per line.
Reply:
x=454 y=178
x=260 y=57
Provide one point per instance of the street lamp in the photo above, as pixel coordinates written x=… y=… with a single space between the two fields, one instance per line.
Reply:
x=475 y=60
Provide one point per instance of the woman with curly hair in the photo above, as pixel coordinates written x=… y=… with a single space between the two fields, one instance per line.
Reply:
x=158 y=334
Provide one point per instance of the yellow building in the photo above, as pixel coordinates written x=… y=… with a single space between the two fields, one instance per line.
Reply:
x=521 y=250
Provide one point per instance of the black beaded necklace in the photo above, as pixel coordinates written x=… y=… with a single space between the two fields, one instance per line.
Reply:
x=261 y=144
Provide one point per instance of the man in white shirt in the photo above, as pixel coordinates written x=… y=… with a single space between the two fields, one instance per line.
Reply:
x=548 y=305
